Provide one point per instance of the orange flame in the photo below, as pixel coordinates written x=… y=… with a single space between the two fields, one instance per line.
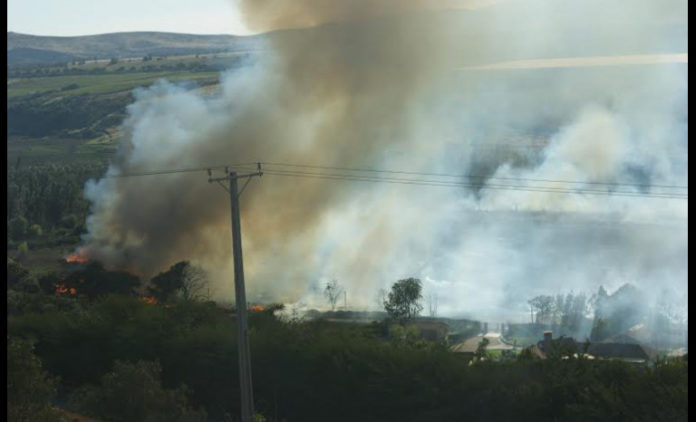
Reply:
x=257 y=308
x=61 y=289
x=77 y=258
x=150 y=300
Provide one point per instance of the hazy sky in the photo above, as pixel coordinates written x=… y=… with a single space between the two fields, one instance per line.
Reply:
x=85 y=17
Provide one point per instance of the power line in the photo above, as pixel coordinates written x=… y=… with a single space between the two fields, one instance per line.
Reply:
x=425 y=182
x=377 y=177
x=189 y=170
x=463 y=176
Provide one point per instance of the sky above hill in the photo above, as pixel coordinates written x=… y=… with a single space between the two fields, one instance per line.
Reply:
x=87 y=17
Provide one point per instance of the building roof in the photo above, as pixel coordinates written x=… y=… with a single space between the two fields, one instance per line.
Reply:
x=471 y=344
x=605 y=350
x=621 y=351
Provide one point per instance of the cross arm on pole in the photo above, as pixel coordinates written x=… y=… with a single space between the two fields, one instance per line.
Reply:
x=234 y=175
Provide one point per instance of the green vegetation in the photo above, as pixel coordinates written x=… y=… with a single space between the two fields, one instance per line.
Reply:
x=75 y=85
x=30 y=390
x=105 y=344
x=133 y=392
x=121 y=356
x=85 y=101
x=45 y=204
x=318 y=370
x=403 y=301
x=182 y=280
x=333 y=292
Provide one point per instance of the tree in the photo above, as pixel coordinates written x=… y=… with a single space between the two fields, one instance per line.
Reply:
x=333 y=292
x=35 y=230
x=481 y=349
x=22 y=250
x=600 y=330
x=17 y=227
x=182 y=279
x=30 y=389
x=95 y=281
x=134 y=392
x=403 y=301
x=381 y=297
x=544 y=307
x=195 y=286
x=432 y=305
x=16 y=273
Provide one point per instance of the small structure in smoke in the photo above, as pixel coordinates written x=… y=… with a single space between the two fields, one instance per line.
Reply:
x=566 y=346
x=431 y=330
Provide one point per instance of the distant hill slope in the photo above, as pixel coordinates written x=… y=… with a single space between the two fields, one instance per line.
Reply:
x=27 y=49
x=588 y=38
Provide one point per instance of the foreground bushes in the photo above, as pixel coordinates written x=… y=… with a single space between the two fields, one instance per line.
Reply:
x=30 y=390
x=133 y=392
x=318 y=370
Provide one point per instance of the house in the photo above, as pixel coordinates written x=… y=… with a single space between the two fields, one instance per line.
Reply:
x=628 y=352
x=471 y=344
x=431 y=330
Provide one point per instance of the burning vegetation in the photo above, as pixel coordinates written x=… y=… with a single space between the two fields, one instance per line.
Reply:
x=78 y=257
x=62 y=289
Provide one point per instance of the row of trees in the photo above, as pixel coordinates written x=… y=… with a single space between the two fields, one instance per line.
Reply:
x=120 y=66
x=52 y=113
x=181 y=281
x=566 y=311
x=311 y=371
x=46 y=199
x=402 y=303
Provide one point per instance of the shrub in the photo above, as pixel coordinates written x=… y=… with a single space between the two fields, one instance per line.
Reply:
x=35 y=230
x=134 y=392
x=29 y=389
x=16 y=273
x=17 y=227
x=22 y=250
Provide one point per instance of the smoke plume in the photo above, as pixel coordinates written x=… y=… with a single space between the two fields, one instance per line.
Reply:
x=399 y=85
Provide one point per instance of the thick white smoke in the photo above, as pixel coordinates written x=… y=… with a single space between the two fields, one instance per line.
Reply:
x=397 y=88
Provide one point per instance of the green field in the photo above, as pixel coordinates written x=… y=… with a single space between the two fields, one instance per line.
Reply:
x=59 y=86
x=55 y=113
x=63 y=128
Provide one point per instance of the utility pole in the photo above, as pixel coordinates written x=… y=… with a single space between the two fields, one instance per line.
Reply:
x=247 y=394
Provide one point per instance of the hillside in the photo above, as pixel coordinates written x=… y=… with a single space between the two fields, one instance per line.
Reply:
x=33 y=49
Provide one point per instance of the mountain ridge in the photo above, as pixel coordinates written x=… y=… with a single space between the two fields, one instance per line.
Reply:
x=40 y=49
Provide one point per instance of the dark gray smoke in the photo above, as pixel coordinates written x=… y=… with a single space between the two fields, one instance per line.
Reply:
x=408 y=86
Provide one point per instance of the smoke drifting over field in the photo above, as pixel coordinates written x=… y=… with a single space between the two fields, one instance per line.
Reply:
x=392 y=85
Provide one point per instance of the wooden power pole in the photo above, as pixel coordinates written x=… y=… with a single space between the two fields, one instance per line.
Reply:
x=247 y=393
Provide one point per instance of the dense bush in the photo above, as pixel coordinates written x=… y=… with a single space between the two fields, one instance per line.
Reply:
x=321 y=370
x=95 y=281
x=29 y=389
x=49 y=197
x=132 y=392
x=27 y=116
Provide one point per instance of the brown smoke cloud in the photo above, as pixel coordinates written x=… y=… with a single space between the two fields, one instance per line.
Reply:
x=268 y=15
x=375 y=84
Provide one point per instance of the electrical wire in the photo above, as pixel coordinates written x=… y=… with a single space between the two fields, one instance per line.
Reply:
x=461 y=176
x=379 y=176
x=189 y=170
x=426 y=182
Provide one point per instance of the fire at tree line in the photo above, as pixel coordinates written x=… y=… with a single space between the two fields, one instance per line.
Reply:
x=97 y=343
x=100 y=344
